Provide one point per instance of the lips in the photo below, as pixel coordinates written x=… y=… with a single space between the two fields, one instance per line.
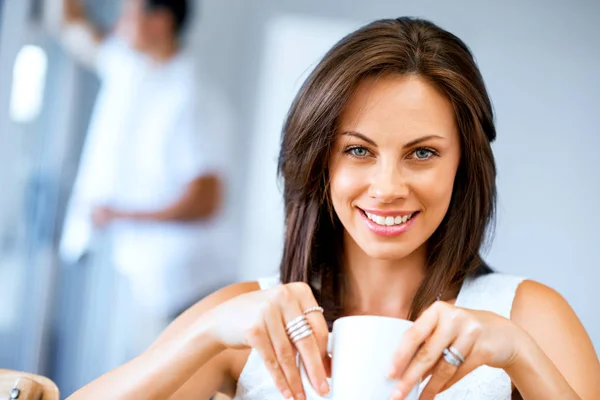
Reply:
x=383 y=223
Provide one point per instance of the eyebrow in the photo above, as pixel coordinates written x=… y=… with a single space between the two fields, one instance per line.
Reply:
x=409 y=144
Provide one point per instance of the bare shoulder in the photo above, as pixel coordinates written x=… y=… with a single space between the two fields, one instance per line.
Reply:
x=538 y=306
x=222 y=368
x=545 y=314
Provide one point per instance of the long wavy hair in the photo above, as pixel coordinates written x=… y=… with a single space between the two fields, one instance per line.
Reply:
x=313 y=248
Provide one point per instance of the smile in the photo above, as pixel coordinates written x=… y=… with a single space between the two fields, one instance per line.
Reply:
x=390 y=224
x=389 y=220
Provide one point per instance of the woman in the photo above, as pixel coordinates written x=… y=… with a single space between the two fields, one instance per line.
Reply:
x=389 y=188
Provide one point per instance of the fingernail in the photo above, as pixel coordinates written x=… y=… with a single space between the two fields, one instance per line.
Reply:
x=300 y=396
x=391 y=373
x=287 y=394
x=397 y=394
x=324 y=387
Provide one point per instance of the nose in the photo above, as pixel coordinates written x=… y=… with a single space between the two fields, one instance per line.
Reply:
x=388 y=183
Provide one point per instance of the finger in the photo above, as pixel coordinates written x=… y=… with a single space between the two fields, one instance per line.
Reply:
x=444 y=372
x=307 y=346
x=316 y=319
x=430 y=353
x=465 y=344
x=462 y=371
x=259 y=340
x=284 y=351
x=412 y=340
x=321 y=335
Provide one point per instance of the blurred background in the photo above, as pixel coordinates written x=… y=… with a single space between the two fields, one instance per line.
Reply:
x=67 y=319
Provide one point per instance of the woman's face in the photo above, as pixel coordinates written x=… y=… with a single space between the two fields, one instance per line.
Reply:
x=393 y=165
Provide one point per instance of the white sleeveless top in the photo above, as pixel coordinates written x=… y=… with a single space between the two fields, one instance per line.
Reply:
x=493 y=292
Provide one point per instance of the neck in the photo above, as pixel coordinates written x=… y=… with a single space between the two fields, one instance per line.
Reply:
x=381 y=287
x=163 y=52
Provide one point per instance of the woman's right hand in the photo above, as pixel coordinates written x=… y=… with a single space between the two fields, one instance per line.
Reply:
x=258 y=320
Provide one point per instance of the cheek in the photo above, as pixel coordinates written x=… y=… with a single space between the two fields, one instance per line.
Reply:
x=347 y=184
x=434 y=188
x=142 y=30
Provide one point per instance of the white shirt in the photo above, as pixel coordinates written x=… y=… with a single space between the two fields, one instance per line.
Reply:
x=150 y=135
x=493 y=292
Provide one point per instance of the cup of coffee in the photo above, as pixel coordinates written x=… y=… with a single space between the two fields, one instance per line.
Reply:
x=362 y=349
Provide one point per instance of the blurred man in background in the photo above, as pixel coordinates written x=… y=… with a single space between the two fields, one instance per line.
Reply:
x=151 y=177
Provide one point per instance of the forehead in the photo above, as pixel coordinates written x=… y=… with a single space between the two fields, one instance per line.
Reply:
x=405 y=106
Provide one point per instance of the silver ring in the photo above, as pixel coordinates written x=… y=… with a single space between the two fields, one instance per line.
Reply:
x=300 y=332
x=456 y=353
x=302 y=336
x=451 y=358
x=295 y=321
x=314 y=309
x=298 y=329
x=292 y=327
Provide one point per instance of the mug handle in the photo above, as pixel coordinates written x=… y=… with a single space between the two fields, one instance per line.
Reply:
x=311 y=394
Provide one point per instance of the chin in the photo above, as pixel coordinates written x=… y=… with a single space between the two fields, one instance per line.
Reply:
x=138 y=46
x=388 y=251
x=136 y=42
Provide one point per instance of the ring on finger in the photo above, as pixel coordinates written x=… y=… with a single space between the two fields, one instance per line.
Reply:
x=295 y=324
x=456 y=353
x=295 y=321
x=301 y=335
x=450 y=358
x=298 y=329
x=314 y=309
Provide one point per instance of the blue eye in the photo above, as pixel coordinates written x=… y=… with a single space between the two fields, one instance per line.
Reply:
x=423 y=153
x=358 y=151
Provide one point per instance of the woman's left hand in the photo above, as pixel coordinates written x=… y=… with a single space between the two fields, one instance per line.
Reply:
x=480 y=337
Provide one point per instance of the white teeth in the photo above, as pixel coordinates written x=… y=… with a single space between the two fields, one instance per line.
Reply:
x=388 y=221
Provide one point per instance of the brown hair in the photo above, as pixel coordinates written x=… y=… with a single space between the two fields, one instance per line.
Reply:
x=313 y=238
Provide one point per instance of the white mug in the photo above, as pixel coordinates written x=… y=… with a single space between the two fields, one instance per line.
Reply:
x=362 y=349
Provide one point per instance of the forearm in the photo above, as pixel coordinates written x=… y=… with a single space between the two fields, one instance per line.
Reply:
x=181 y=211
x=535 y=376
x=67 y=21
x=157 y=373
x=200 y=200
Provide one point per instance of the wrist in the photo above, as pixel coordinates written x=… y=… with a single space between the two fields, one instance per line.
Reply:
x=521 y=359
x=133 y=215
x=148 y=216
x=204 y=332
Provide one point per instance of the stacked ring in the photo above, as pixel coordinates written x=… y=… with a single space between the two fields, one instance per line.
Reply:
x=298 y=329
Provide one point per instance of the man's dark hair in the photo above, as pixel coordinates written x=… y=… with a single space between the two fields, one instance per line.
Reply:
x=179 y=9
